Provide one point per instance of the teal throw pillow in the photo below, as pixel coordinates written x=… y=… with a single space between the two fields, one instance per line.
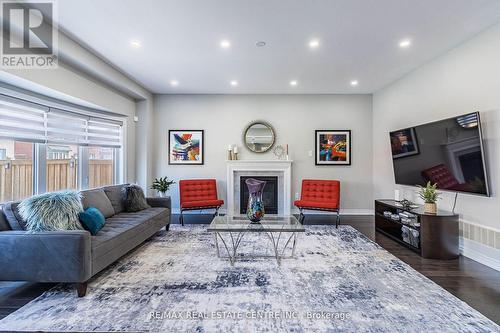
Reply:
x=92 y=220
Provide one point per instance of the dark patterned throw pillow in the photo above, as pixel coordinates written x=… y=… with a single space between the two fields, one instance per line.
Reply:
x=134 y=199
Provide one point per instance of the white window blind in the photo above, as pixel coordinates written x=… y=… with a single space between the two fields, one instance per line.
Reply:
x=66 y=128
x=26 y=121
x=104 y=133
x=21 y=120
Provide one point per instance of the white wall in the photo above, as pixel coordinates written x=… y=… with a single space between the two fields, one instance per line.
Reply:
x=294 y=117
x=465 y=79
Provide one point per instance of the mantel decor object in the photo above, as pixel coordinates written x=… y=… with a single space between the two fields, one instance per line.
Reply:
x=259 y=136
x=279 y=152
x=255 y=208
x=235 y=153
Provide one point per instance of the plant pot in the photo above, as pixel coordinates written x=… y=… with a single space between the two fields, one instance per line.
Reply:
x=430 y=208
x=161 y=194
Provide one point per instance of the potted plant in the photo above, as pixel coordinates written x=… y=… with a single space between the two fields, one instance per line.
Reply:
x=430 y=195
x=162 y=185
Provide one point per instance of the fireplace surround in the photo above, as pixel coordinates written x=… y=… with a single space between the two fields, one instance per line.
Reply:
x=259 y=168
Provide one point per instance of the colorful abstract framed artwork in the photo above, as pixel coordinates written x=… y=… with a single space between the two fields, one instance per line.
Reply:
x=404 y=143
x=333 y=147
x=185 y=147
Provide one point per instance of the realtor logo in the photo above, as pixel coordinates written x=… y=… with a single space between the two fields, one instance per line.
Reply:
x=29 y=35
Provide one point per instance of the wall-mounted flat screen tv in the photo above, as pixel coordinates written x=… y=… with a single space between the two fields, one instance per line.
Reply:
x=448 y=153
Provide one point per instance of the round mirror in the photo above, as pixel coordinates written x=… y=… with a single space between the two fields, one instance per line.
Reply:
x=259 y=137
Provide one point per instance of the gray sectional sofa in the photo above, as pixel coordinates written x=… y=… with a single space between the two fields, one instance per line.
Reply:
x=75 y=256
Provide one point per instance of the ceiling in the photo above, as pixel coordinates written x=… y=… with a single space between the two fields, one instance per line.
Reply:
x=358 y=40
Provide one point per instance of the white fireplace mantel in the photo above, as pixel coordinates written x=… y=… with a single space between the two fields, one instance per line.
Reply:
x=280 y=168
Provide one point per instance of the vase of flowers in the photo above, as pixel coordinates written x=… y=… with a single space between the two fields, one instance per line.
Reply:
x=255 y=207
x=162 y=185
x=430 y=195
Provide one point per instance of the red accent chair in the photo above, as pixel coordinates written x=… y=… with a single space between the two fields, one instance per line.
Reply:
x=197 y=194
x=323 y=195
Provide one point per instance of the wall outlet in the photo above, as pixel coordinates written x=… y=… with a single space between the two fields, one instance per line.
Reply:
x=310 y=153
x=297 y=197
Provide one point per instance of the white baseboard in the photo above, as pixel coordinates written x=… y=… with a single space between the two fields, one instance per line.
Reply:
x=483 y=254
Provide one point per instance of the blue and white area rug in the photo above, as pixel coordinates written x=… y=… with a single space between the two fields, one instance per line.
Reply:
x=339 y=282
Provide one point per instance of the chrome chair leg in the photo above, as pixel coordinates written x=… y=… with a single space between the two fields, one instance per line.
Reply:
x=302 y=217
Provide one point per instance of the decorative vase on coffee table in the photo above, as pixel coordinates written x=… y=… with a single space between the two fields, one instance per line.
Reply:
x=255 y=207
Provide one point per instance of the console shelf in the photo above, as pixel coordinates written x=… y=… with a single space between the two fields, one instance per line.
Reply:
x=438 y=233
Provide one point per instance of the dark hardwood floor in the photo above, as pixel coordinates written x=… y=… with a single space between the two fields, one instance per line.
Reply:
x=472 y=282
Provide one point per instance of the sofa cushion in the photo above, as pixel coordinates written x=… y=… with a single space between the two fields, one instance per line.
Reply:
x=11 y=212
x=123 y=227
x=98 y=199
x=115 y=195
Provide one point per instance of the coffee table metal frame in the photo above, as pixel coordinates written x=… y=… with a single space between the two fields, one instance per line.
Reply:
x=237 y=227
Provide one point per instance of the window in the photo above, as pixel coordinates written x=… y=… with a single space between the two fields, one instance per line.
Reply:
x=62 y=167
x=48 y=149
x=16 y=170
x=101 y=166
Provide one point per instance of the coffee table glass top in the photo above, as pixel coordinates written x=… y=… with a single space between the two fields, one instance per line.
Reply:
x=241 y=223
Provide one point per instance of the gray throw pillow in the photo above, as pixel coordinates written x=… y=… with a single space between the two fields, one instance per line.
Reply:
x=98 y=199
x=15 y=220
x=114 y=194
x=52 y=211
x=134 y=198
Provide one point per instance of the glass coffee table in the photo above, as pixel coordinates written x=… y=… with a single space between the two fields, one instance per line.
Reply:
x=282 y=232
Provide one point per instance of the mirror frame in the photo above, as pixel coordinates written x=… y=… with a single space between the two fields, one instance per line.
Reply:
x=259 y=122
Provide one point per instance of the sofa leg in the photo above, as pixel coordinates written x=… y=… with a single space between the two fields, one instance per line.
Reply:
x=81 y=289
x=181 y=219
x=216 y=212
x=167 y=227
x=337 y=221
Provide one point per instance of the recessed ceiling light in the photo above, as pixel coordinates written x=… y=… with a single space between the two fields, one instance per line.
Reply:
x=405 y=43
x=234 y=83
x=260 y=43
x=225 y=44
x=293 y=83
x=354 y=83
x=174 y=83
x=314 y=44
x=135 y=43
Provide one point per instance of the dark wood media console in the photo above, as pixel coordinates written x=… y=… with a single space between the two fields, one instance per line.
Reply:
x=437 y=233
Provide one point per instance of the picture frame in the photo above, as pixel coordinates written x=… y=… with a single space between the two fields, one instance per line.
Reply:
x=404 y=143
x=333 y=147
x=186 y=147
